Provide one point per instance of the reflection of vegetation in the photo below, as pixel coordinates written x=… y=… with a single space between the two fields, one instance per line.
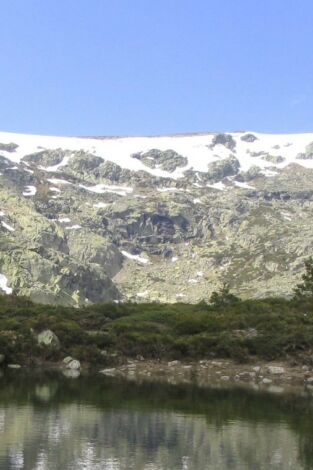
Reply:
x=283 y=329
x=116 y=413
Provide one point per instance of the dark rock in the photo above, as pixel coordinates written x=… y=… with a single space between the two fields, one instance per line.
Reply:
x=224 y=139
x=248 y=138
x=8 y=147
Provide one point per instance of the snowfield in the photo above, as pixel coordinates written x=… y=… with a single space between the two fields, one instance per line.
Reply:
x=196 y=148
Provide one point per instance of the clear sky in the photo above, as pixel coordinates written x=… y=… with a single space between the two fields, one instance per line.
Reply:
x=140 y=67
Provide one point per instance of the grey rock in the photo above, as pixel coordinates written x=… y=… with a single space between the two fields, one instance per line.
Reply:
x=266 y=381
x=167 y=160
x=8 y=147
x=276 y=370
x=48 y=338
x=224 y=139
x=70 y=363
x=249 y=138
x=223 y=168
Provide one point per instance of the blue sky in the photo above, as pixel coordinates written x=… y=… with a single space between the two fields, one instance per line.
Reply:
x=140 y=67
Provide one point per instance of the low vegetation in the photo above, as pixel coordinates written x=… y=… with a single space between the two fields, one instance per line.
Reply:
x=227 y=327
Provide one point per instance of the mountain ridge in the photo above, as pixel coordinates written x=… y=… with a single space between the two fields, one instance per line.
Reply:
x=154 y=218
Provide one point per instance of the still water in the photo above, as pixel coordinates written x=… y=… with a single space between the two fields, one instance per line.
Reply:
x=48 y=422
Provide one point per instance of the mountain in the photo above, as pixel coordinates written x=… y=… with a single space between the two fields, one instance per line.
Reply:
x=154 y=218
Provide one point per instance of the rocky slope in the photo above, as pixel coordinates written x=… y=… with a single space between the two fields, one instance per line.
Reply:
x=154 y=219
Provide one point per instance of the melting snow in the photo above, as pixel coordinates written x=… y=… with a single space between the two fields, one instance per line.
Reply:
x=142 y=294
x=4 y=284
x=56 y=167
x=2 y=214
x=56 y=190
x=29 y=191
x=168 y=190
x=174 y=259
x=100 y=205
x=73 y=227
x=243 y=185
x=58 y=181
x=135 y=257
x=104 y=188
x=64 y=219
x=7 y=226
x=195 y=147
x=221 y=186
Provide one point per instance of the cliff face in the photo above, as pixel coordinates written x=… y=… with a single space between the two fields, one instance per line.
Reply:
x=156 y=218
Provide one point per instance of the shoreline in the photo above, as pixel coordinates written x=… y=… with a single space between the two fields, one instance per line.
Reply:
x=274 y=377
x=261 y=375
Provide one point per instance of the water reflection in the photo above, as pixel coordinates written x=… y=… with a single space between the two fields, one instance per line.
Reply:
x=49 y=423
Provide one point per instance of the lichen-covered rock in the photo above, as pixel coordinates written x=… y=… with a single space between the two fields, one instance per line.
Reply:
x=167 y=160
x=11 y=147
x=248 y=138
x=70 y=363
x=223 y=168
x=48 y=338
x=273 y=158
x=224 y=139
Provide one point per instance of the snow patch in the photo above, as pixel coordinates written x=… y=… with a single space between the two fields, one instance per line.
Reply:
x=142 y=294
x=100 y=205
x=135 y=257
x=58 y=181
x=243 y=185
x=64 y=220
x=56 y=190
x=30 y=191
x=4 y=284
x=104 y=188
x=73 y=227
x=220 y=186
x=7 y=226
x=56 y=167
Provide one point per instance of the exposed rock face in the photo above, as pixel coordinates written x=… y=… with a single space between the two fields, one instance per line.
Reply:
x=153 y=219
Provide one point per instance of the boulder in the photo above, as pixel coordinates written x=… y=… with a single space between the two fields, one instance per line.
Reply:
x=70 y=363
x=276 y=370
x=48 y=338
x=266 y=381
x=224 y=139
x=248 y=138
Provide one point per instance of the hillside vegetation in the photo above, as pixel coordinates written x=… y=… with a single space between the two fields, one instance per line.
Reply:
x=107 y=333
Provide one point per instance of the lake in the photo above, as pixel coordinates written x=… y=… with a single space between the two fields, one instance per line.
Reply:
x=49 y=422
